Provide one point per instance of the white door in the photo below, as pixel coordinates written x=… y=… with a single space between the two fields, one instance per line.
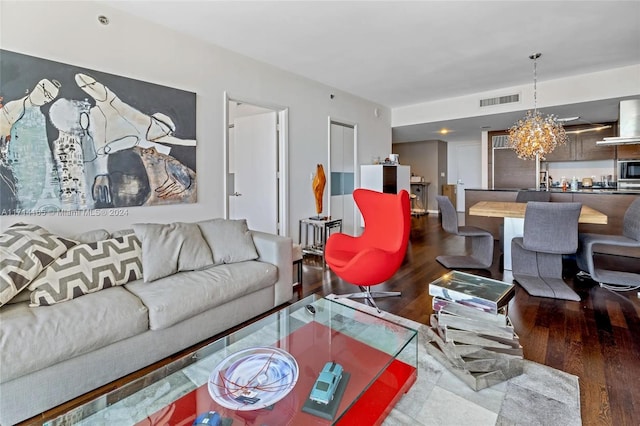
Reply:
x=469 y=159
x=253 y=163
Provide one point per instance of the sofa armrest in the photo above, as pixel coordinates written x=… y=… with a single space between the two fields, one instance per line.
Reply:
x=277 y=250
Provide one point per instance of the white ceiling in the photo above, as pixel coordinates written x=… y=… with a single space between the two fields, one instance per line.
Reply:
x=401 y=53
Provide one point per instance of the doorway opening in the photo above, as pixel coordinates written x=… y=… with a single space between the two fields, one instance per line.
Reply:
x=256 y=173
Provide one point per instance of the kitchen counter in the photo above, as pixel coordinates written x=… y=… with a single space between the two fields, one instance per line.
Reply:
x=559 y=190
x=612 y=202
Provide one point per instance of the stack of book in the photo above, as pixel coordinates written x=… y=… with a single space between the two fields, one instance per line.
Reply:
x=470 y=331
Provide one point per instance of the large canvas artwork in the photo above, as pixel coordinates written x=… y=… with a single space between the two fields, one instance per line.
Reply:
x=78 y=139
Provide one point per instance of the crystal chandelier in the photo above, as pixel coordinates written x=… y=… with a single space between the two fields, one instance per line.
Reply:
x=534 y=135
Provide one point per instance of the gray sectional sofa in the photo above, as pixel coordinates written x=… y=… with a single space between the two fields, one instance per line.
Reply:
x=51 y=354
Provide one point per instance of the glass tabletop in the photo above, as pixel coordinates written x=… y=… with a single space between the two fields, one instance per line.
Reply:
x=297 y=340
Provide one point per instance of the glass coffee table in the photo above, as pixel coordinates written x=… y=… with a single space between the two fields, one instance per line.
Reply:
x=282 y=355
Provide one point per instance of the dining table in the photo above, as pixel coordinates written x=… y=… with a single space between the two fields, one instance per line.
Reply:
x=513 y=214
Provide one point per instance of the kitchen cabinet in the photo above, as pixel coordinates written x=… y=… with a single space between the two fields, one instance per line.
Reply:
x=566 y=152
x=628 y=152
x=506 y=170
x=511 y=171
x=588 y=149
x=583 y=146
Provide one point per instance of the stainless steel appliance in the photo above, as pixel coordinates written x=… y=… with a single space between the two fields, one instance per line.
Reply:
x=629 y=174
x=628 y=124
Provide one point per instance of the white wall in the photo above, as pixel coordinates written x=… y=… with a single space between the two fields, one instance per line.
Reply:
x=69 y=32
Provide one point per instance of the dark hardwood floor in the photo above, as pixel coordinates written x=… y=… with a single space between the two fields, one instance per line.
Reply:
x=597 y=339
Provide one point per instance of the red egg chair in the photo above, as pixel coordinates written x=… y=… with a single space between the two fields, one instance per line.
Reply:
x=376 y=255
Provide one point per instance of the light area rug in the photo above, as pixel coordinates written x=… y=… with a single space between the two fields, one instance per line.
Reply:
x=540 y=396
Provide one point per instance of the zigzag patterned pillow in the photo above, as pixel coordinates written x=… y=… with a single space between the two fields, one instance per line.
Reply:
x=25 y=250
x=87 y=268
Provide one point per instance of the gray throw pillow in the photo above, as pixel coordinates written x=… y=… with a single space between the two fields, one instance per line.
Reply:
x=167 y=249
x=23 y=296
x=87 y=268
x=230 y=240
x=25 y=250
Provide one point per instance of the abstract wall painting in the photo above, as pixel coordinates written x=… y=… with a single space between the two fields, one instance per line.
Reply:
x=77 y=139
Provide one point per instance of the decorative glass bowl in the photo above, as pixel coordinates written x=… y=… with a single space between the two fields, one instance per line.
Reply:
x=253 y=378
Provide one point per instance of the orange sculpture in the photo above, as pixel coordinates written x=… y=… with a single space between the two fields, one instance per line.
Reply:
x=319 y=181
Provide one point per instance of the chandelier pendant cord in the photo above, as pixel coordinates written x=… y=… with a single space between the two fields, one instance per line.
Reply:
x=535 y=83
x=535 y=57
x=536 y=135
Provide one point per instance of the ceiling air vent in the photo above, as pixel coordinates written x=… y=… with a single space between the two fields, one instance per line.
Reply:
x=509 y=99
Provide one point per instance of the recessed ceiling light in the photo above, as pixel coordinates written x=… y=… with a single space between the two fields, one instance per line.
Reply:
x=485 y=127
x=443 y=131
x=103 y=20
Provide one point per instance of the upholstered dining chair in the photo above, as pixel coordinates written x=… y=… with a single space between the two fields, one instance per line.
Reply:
x=376 y=255
x=481 y=255
x=611 y=279
x=550 y=231
x=523 y=196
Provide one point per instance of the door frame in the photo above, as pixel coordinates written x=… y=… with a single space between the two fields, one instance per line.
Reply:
x=356 y=168
x=282 y=114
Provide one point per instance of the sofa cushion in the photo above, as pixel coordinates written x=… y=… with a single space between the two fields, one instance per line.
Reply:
x=25 y=250
x=34 y=338
x=181 y=296
x=230 y=240
x=167 y=249
x=87 y=268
